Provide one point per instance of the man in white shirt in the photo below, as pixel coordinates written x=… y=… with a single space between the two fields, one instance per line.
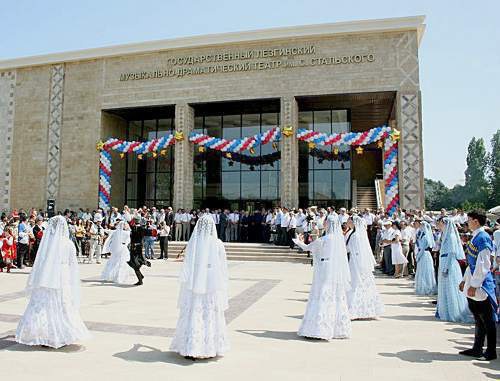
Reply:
x=185 y=219
x=285 y=220
x=462 y=217
x=178 y=224
x=292 y=225
x=234 y=218
x=478 y=285
x=343 y=216
x=386 y=240
x=300 y=221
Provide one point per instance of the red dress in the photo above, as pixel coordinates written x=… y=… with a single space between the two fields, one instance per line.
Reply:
x=8 y=249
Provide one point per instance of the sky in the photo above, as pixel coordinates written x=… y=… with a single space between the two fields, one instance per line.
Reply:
x=459 y=53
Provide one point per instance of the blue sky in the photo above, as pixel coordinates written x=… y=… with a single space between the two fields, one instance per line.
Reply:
x=459 y=54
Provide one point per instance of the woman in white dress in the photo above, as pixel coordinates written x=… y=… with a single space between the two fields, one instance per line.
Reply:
x=363 y=299
x=52 y=316
x=201 y=328
x=327 y=313
x=398 y=258
x=117 y=269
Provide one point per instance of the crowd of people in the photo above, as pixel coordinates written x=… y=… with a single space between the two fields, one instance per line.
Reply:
x=452 y=254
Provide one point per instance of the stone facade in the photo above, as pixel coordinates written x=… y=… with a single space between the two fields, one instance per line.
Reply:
x=72 y=95
x=7 y=107
x=183 y=159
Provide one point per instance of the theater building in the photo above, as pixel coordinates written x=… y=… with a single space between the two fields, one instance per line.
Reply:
x=338 y=78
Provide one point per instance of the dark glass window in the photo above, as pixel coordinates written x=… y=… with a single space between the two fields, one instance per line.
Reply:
x=244 y=181
x=149 y=181
x=324 y=177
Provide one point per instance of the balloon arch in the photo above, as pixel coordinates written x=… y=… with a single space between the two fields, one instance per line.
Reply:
x=385 y=137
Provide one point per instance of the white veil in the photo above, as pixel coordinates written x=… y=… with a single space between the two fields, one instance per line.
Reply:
x=55 y=249
x=362 y=255
x=119 y=237
x=205 y=266
x=334 y=247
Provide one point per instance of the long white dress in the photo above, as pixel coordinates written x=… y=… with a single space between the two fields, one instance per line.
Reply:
x=201 y=327
x=363 y=298
x=52 y=318
x=327 y=312
x=117 y=269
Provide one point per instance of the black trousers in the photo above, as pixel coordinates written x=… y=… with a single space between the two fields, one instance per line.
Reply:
x=163 y=247
x=22 y=254
x=388 y=266
x=485 y=325
x=291 y=235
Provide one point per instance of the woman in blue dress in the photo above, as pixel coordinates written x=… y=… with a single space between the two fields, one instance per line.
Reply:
x=451 y=303
x=425 y=280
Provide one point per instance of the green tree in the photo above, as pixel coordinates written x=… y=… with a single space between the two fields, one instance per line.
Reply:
x=437 y=195
x=494 y=170
x=476 y=184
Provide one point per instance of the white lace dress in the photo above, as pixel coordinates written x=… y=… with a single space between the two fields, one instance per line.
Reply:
x=117 y=269
x=50 y=318
x=327 y=313
x=363 y=298
x=201 y=328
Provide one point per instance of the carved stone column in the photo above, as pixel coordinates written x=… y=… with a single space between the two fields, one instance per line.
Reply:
x=55 y=127
x=183 y=158
x=411 y=168
x=289 y=174
x=7 y=107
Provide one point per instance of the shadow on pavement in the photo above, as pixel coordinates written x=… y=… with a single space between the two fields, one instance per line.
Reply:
x=151 y=354
x=425 y=357
x=412 y=317
x=277 y=335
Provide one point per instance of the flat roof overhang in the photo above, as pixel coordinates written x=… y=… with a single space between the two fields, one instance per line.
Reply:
x=319 y=30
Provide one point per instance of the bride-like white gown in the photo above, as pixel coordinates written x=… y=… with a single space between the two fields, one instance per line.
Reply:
x=327 y=313
x=52 y=317
x=117 y=269
x=363 y=298
x=201 y=327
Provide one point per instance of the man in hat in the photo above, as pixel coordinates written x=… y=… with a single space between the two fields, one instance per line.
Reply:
x=137 y=259
x=478 y=285
x=96 y=239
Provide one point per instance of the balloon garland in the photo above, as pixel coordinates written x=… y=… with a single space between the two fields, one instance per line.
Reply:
x=104 y=179
x=322 y=155
x=125 y=147
x=149 y=146
x=345 y=138
x=391 y=180
x=384 y=136
x=253 y=161
x=235 y=145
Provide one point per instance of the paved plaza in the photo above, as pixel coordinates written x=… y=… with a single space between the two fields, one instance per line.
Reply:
x=132 y=328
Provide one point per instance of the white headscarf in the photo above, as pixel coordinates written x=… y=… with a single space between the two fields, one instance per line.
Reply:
x=205 y=267
x=55 y=250
x=334 y=247
x=362 y=255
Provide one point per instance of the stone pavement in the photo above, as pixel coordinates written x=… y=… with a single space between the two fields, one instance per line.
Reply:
x=132 y=329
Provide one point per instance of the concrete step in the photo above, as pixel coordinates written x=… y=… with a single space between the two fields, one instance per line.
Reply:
x=238 y=251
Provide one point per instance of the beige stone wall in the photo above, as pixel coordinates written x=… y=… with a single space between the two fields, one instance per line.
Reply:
x=92 y=86
x=383 y=74
x=81 y=130
x=29 y=153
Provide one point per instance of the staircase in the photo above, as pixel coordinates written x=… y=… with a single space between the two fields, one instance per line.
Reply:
x=366 y=198
x=237 y=251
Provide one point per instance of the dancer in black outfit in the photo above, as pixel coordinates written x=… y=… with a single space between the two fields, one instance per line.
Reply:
x=137 y=258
